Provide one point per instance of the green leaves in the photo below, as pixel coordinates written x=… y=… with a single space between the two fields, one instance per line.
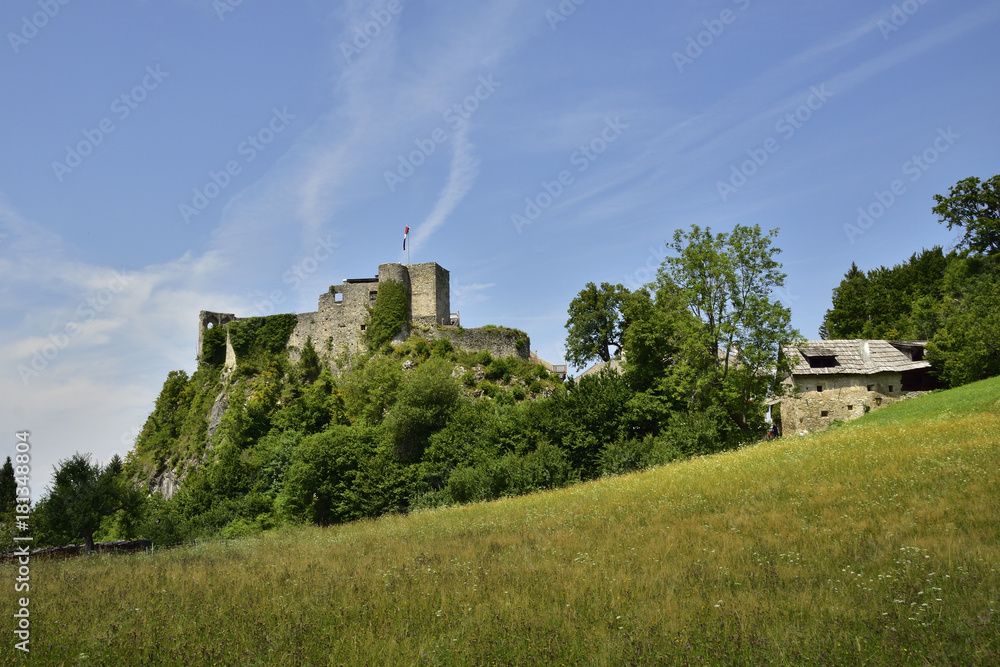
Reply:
x=595 y=324
x=389 y=315
x=728 y=352
x=973 y=205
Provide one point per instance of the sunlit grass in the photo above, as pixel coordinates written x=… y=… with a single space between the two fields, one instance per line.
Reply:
x=875 y=543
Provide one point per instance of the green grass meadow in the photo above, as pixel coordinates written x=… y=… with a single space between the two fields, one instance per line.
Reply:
x=877 y=542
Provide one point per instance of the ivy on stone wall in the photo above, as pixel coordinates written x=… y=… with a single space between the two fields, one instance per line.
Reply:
x=213 y=346
x=389 y=315
x=261 y=335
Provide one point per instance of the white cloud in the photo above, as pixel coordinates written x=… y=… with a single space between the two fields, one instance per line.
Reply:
x=461 y=178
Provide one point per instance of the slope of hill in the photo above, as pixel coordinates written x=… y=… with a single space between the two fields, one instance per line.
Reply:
x=873 y=543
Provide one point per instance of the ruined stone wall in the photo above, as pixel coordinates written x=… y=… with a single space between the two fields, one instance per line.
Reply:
x=821 y=399
x=498 y=342
x=207 y=320
x=339 y=321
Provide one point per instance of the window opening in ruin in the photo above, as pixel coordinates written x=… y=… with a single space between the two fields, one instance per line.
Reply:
x=819 y=387
x=850 y=407
x=372 y=295
x=338 y=297
x=210 y=325
x=890 y=388
x=871 y=387
x=364 y=326
x=824 y=413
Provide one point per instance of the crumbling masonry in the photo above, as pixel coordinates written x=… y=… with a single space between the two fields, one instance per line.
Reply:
x=340 y=320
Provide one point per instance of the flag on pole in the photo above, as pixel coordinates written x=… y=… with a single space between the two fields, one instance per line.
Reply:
x=406 y=232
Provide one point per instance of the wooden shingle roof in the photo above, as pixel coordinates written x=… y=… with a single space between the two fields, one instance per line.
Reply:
x=855 y=357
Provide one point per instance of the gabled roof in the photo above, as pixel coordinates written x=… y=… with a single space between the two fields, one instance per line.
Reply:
x=855 y=357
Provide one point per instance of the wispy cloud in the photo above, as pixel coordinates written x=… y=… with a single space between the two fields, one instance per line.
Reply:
x=461 y=178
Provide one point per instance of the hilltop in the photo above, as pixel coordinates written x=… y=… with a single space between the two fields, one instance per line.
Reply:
x=872 y=543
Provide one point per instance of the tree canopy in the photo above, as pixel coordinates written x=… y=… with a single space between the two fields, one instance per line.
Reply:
x=82 y=495
x=974 y=206
x=730 y=349
x=595 y=325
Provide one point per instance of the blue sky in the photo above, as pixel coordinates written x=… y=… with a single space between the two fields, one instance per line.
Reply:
x=160 y=158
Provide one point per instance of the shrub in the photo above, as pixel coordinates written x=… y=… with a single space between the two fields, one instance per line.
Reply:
x=500 y=369
x=426 y=399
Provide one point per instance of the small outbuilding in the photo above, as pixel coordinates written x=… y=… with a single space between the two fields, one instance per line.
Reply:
x=844 y=379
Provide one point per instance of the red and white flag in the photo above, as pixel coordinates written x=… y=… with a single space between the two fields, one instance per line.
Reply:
x=406 y=232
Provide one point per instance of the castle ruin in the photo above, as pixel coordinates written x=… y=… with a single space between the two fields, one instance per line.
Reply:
x=342 y=315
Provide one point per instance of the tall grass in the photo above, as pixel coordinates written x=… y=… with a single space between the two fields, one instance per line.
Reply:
x=874 y=543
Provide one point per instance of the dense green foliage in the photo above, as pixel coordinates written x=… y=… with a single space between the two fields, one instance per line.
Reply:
x=83 y=495
x=8 y=488
x=213 y=346
x=595 y=324
x=872 y=544
x=950 y=300
x=256 y=336
x=974 y=206
x=388 y=315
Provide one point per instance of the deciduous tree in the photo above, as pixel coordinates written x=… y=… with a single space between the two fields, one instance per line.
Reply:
x=595 y=325
x=974 y=206
x=730 y=349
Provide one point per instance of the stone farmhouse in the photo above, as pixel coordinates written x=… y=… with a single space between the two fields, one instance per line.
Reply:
x=342 y=315
x=844 y=379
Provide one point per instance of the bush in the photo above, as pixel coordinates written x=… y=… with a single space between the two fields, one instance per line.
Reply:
x=628 y=455
x=500 y=369
x=426 y=399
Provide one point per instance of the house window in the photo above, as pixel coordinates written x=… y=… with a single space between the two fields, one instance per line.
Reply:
x=819 y=387
x=824 y=413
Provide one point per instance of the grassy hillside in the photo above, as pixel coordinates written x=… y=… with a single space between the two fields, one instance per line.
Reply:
x=874 y=543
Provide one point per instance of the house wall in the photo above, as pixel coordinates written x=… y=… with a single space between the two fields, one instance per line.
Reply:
x=843 y=397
